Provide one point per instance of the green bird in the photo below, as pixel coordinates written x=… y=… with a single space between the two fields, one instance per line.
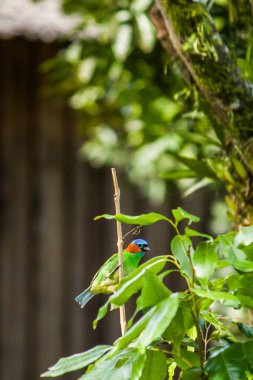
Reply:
x=107 y=277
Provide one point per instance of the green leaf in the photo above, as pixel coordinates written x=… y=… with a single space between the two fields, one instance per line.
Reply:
x=245 y=329
x=200 y=167
x=181 y=323
x=222 y=264
x=186 y=359
x=192 y=374
x=155 y=367
x=142 y=220
x=171 y=369
x=236 y=300
x=239 y=167
x=101 y=314
x=138 y=365
x=181 y=246
x=197 y=185
x=77 y=361
x=146 y=33
x=204 y=260
x=135 y=330
x=244 y=236
x=134 y=282
x=231 y=363
x=197 y=138
x=190 y=232
x=139 y=6
x=221 y=330
x=180 y=214
x=178 y=174
x=123 y=42
x=236 y=256
x=151 y=325
x=241 y=284
x=159 y=321
x=153 y=291
x=120 y=365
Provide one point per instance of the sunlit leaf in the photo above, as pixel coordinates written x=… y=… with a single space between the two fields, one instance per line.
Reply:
x=123 y=42
x=140 y=6
x=236 y=300
x=134 y=282
x=159 y=321
x=190 y=232
x=244 y=236
x=171 y=370
x=153 y=291
x=146 y=33
x=135 y=330
x=117 y=366
x=222 y=264
x=204 y=260
x=181 y=248
x=180 y=214
x=236 y=256
x=75 y=362
x=142 y=220
x=200 y=167
x=197 y=185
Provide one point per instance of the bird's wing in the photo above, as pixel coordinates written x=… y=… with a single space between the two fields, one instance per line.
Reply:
x=113 y=271
x=108 y=268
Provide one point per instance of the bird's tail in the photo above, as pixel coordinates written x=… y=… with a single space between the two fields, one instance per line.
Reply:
x=84 y=297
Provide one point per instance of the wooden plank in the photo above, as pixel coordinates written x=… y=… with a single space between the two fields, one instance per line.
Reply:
x=74 y=193
x=14 y=256
x=51 y=236
x=32 y=51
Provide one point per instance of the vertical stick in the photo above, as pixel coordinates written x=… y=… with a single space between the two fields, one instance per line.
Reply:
x=122 y=310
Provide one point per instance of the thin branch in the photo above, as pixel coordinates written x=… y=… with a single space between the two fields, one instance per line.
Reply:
x=122 y=310
x=206 y=340
x=134 y=231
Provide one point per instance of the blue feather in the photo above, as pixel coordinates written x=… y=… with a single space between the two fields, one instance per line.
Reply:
x=139 y=242
x=84 y=297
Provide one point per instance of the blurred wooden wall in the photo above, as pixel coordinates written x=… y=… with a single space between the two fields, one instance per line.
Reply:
x=49 y=245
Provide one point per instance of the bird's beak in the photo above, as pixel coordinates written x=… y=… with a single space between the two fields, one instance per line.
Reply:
x=146 y=249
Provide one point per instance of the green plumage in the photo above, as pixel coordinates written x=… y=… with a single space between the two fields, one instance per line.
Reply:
x=107 y=278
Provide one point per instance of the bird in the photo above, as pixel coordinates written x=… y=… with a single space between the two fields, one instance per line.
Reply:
x=107 y=277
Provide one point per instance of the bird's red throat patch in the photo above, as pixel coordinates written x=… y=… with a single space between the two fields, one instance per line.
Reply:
x=133 y=248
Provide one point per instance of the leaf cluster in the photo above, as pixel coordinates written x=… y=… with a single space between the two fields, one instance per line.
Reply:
x=170 y=330
x=134 y=109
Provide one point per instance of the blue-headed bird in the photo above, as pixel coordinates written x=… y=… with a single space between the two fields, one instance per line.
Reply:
x=107 y=277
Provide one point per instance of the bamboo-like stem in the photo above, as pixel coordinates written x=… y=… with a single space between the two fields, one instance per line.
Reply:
x=122 y=310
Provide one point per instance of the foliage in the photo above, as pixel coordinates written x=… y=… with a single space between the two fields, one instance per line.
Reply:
x=134 y=109
x=181 y=329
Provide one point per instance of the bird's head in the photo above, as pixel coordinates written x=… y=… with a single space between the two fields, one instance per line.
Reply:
x=138 y=246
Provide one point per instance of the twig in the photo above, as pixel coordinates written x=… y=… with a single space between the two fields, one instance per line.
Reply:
x=134 y=231
x=206 y=340
x=122 y=310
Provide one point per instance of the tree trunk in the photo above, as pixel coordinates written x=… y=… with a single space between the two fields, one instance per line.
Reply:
x=187 y=33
